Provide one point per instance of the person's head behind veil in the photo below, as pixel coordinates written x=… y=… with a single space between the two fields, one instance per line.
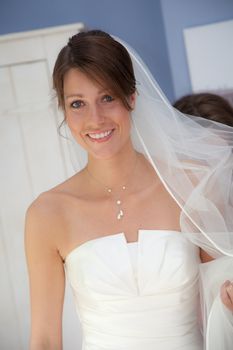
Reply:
x=206 y=105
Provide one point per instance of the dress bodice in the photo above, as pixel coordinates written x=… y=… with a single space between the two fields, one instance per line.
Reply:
x=135 y=296
x=133 y=254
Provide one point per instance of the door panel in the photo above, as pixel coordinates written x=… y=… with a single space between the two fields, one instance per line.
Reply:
x=33 y=159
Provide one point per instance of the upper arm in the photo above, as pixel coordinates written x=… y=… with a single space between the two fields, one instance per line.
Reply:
x=46 y=278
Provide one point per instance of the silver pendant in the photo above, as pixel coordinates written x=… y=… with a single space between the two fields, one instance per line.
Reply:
x=120 y=214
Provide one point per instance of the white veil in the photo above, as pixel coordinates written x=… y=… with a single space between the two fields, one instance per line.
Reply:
x=194 y=159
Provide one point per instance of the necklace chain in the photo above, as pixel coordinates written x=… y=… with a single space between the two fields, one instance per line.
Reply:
x=118 y=201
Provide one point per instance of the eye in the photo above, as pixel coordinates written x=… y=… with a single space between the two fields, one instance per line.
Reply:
x=77 y=104
x=108 y=98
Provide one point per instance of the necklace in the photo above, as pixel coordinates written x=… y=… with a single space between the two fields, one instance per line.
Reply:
x=117 y=199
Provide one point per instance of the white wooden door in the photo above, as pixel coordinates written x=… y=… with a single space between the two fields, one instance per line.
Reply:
x=33 y=158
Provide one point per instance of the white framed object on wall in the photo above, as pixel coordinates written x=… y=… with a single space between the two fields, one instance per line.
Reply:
x=209 y=51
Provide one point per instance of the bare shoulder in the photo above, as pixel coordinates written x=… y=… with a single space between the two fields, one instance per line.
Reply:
x=44 y=209
x=49 y=215
x=52 y=202
x=42 y=222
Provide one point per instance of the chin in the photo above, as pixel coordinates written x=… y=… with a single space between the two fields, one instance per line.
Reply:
x=105 y=155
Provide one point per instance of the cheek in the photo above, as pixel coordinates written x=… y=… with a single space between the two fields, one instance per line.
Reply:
x=125 y=121
x=75 y=127
x=73 y=121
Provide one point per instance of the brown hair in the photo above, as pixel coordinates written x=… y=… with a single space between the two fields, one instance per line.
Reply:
x=208 y=106
x=102 y=58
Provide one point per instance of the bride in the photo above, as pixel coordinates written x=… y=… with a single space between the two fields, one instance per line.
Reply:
x=133 y=226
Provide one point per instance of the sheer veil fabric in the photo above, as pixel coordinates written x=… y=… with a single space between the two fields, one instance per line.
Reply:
x=193 y=157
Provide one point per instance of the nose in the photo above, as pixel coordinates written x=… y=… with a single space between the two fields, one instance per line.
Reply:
x=96 y=115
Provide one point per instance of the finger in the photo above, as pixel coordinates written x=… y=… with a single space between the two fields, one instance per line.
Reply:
x=225 y=297
x=229 y=289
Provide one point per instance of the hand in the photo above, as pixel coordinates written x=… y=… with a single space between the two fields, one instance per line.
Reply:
x=226 y=293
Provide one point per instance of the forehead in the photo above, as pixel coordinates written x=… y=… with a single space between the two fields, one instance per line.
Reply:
x=75 y=79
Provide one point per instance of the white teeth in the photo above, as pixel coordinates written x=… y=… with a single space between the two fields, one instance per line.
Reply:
x=101 y=135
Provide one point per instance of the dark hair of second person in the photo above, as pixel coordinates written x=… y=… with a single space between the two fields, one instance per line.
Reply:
x=206 y=105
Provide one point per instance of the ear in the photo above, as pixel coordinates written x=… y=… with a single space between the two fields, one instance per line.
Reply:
x=132 y=100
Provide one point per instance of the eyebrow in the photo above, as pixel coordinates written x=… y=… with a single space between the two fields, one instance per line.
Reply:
x=73 y=95
x=80 y=95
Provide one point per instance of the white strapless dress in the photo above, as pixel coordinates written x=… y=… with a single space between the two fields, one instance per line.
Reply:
x=137 y=296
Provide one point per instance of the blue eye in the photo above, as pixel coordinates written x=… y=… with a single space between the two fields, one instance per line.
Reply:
x=108 y=98
x=76 y=104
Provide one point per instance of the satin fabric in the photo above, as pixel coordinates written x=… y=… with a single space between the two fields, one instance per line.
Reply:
x=156 y=309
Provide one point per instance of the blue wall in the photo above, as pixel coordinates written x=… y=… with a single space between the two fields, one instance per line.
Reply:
x=139 y=22
x=153 y=27
x=180 y=14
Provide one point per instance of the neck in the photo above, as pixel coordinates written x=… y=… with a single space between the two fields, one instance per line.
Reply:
x=115 y=171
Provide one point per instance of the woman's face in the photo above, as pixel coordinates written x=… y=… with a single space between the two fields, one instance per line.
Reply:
x=98 y=120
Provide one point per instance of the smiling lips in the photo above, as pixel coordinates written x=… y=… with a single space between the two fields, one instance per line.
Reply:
x=100 y=137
